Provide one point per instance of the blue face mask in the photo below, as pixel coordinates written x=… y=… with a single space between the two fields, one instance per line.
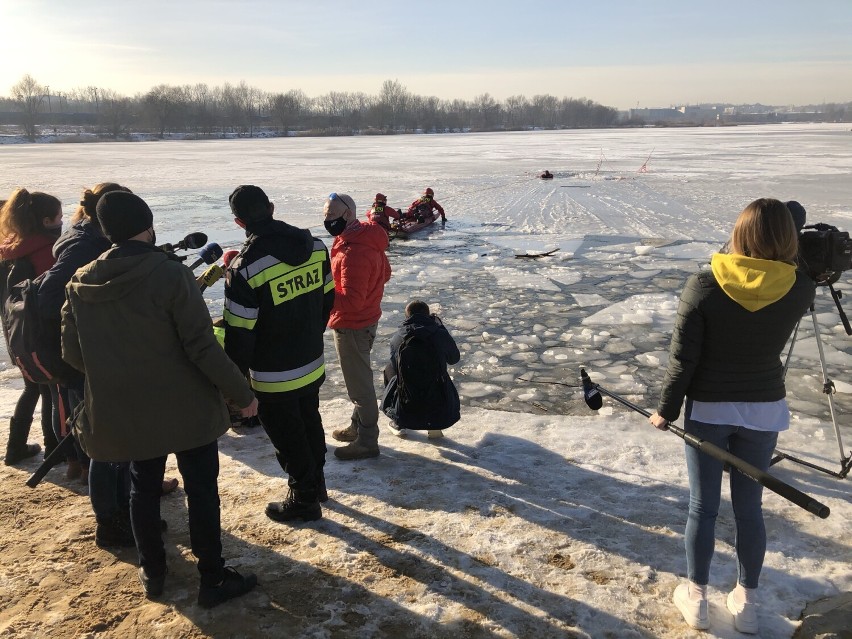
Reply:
x=335 y=227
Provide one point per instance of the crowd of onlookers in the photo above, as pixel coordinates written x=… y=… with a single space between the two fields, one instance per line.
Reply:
x=145 y=376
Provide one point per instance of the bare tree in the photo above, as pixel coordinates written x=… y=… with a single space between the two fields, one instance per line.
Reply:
x=29 y=96
x=487 y=111
x=517 y=111
x=286 y=108
x=165 y=104
x=201 y=105
x=115 y=112
x=393 y=103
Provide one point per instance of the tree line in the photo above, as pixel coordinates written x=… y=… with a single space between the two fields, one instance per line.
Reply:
x=204 y=111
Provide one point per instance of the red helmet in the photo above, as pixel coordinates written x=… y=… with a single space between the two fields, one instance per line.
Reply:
x=428 y=191
x=381 y=197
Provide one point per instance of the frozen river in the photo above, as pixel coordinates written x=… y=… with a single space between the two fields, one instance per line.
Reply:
x=626 y=238
x=532 y=517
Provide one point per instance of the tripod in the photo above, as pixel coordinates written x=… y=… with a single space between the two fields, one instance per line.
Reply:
x=827 y=388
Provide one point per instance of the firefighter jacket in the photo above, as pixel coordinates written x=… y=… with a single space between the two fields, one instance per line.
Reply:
x=279 y=293
x=425 y=205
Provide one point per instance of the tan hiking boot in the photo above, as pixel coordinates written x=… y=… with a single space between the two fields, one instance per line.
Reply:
x=348 y=434
x=357 y=450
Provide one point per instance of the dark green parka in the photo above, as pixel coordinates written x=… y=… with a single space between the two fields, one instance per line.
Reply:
x=136 y=324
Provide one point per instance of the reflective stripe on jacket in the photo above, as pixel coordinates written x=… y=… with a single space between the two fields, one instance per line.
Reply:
x=278 y=296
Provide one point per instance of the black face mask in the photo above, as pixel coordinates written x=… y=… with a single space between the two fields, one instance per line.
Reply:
x=335 y=227
x=53 y=231
x=153 y=237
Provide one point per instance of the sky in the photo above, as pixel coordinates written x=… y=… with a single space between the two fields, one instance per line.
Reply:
x=619 y=53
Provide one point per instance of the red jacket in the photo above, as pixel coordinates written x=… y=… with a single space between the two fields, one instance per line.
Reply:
x=360 y=269
x=432 y=204
x=38 y=249
x=382 y=216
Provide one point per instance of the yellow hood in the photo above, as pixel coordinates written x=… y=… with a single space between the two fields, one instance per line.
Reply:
x=750 y=282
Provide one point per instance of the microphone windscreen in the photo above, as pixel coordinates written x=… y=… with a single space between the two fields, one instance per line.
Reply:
x=593 y=398
x=212 y=275
x=195 y=240
x=228 y=257
x=210 y=253
x=591 y=395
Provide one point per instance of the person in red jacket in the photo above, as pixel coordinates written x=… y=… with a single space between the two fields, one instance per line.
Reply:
x=29 y=225
x=425 y=205
x=380 y=213
x=360 y=269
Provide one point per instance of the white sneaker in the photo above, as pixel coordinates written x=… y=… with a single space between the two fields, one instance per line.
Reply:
x=435 y=434
x=745 y=612
x=694 y=611
x=399 y=432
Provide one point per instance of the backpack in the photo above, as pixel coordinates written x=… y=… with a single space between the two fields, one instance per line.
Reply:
x=12 y=272
x=25 y=334
x=420 y=375
x=421 y=395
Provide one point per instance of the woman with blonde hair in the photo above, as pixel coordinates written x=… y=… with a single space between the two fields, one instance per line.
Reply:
x=732 y=325
x=30 y=222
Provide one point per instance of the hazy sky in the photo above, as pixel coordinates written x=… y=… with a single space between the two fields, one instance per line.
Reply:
x=619 y=53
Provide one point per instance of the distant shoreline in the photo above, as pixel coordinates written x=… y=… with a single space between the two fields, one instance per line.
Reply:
x=92 y=136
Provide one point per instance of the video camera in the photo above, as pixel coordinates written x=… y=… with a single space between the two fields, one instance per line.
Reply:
x=824 y=252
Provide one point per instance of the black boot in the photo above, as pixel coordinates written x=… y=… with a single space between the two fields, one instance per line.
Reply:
x=115 y=532
x=18 y=449
x=233 y=584
x=300 y=504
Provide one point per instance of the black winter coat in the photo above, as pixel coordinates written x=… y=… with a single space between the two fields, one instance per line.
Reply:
x=81 y=244
x=431 y=329
x=723 y=352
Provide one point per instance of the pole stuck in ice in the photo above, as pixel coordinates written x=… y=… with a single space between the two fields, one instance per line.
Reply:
x=592 y=394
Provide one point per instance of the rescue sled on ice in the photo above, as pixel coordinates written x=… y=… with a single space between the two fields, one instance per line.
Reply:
x=407 y=226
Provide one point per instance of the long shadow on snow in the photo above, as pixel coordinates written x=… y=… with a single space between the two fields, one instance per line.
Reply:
x=622 y=518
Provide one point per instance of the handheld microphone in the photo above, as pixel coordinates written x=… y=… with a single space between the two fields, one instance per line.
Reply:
x=591 y=394
x=228 y=257
x=209 y=254
x=191 y=241
x=210 y=276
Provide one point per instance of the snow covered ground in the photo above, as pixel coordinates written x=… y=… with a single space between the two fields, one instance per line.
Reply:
x=533 y=517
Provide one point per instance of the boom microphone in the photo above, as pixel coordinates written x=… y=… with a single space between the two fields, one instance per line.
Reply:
x=209 y=254
x=591 y=394
x=191 y=241
x=763 y=478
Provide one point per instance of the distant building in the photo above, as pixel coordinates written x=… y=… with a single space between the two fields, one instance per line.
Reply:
x=656 y=115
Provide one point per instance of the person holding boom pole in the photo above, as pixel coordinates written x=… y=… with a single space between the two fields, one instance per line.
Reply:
x=725 y=359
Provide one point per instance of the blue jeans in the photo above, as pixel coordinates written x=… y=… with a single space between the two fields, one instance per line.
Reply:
x=705 y=487
x=109 y=489
x=199 y=468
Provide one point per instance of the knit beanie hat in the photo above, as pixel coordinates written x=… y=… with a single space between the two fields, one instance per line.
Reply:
x=249 y=203
x=123 y=215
